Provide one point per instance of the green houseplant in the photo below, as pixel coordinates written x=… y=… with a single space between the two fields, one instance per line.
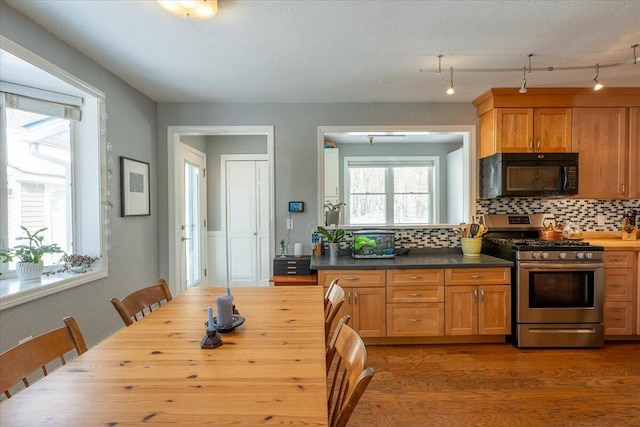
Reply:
x=29 y=254
x=332 y=212
x=333 y=238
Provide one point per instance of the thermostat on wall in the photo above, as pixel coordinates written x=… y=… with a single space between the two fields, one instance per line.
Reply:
x=296 y=206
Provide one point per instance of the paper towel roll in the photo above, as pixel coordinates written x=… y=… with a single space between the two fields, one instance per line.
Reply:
x=297 y=250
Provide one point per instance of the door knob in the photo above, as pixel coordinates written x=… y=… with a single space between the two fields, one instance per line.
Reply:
x=185 y=238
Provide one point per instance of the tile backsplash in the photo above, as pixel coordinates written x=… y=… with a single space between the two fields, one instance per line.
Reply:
x=583 y=211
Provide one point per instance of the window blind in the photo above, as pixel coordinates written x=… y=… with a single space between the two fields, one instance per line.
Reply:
x=41 y=106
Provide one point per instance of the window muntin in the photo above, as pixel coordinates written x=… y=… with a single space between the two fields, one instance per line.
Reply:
x=391 y=191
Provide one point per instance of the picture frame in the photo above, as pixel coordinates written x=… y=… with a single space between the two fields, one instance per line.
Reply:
x=135 y=197
x=296 y=206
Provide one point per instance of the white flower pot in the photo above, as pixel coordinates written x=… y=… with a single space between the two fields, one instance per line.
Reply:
x=28 y=271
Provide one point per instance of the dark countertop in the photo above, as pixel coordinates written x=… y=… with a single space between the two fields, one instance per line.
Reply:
x=435 y=259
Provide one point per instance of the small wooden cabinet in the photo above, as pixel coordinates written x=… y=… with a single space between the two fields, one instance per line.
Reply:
x=634 y=153
x=364 y=298
x=619 y=292
x=599 y=137
x=415 y=302
x=478 y=301
x=525 y=130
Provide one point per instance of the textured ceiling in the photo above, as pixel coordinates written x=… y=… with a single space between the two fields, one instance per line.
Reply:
x=346 y=51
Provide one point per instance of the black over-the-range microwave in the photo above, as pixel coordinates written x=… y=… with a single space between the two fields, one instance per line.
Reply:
x=529 y=175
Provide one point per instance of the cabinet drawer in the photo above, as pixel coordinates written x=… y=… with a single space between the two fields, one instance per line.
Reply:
x=418 y=320
x=352 y=278
x=415 y=293
x=618 y=284
x=415 y=276
x=477 y=276
x=618 y=318
x=292 y=266
x=619 y=259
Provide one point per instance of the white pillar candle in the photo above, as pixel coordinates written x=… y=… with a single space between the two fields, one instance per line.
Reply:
x=224 y=307
x=297 y=250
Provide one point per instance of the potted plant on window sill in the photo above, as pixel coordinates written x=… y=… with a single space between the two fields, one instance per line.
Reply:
x=333 y=238
x=30 y=264
x=332 y=212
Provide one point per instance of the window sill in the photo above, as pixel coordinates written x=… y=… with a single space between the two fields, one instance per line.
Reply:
x=13 y=293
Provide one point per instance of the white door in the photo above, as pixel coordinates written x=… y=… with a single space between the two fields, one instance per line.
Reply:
x=193 y=217
x=247 y=221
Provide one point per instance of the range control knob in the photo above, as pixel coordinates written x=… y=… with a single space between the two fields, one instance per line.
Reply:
x=562 y=255
x=535 y=255
x=545 y=255
x=588 y=255
x=579 y=255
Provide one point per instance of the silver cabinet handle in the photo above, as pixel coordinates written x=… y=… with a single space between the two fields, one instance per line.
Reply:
x=350 y=278
x=476 y=276
x=475 y=295
x=415 y=320
x=482 y=295
x=355 y=298
x=531 y=144
x=349 y=297
x=415 y=277
x=538 y=144
x=415 y=295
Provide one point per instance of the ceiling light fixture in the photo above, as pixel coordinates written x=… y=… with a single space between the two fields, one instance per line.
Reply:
x=635 y=57
x=597 y=85
x=523 y=88
x=191 y=9
x=451 y=90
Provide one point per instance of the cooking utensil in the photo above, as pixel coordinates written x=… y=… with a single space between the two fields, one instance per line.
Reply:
x=473 y=230
x=464 y=228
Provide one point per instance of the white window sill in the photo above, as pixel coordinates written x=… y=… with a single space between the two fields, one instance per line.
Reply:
x=13 y=292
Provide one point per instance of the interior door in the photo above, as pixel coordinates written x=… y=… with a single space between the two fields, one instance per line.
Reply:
x=247 y=221
x=193 y=222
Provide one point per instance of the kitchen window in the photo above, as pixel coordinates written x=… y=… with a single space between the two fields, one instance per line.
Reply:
x=53 y=169
x=391 y=190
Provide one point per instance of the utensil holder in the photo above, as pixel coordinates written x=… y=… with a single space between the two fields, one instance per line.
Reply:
x=471 y=246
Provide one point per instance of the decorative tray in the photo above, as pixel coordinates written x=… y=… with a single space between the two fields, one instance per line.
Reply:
x=237 y=321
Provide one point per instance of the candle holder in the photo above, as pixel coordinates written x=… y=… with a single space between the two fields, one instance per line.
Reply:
x=211 y=340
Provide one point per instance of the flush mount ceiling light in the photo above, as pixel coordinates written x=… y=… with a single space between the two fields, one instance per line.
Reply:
x=191 y=9
x=634 y=61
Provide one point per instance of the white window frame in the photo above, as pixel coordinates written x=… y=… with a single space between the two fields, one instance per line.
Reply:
x=432 y=161
x=90 y=171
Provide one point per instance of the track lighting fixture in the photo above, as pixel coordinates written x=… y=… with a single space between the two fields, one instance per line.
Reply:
x=597 y=85
x=523 y=87
x=451 y=90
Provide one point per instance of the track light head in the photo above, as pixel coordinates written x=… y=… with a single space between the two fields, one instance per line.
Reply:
x=523 y=87
x=597 y=85
x=451 y=90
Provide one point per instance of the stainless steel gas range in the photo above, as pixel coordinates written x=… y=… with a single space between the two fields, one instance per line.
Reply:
x=558 y=285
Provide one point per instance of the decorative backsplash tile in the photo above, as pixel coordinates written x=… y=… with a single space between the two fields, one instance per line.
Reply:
x=583 y=211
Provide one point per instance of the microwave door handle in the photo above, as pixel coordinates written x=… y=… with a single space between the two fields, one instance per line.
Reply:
x=564 y=178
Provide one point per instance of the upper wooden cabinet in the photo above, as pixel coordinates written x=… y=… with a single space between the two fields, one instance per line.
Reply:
x=525 y=130
x=634 y=153
x=599 y=137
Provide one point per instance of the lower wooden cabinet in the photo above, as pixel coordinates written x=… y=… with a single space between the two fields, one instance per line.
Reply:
x=620 y=293
x=364 y=298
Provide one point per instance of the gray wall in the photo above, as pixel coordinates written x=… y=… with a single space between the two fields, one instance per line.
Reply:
x=296 y=129
x=133 y=259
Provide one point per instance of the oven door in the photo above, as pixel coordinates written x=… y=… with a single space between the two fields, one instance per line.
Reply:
x=569 y=292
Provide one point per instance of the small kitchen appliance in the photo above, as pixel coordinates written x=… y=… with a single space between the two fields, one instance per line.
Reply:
x=558 y=285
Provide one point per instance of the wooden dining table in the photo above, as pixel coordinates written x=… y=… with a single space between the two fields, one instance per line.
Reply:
x=270 y=370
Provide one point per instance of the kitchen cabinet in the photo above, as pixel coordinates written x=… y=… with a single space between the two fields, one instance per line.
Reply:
x=331 y=175
x=619 y=292
x=415 y=302
x=478 y=301
x=634 y=153
x=525 y=130
x=364 y=298
x=599 y=136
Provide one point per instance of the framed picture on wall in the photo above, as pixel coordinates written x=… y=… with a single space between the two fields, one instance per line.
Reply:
x=135 y=198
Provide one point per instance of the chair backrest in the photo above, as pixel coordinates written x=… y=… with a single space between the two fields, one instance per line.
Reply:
x=349 y=378
x=331 y=346
x=24 y=359
x=336 y=299
x=329 y=290
x=135 y=305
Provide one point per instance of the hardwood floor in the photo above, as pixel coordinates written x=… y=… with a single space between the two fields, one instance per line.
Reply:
x=500 y=385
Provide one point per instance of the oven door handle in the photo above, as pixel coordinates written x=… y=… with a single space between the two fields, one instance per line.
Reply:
x=542 y=266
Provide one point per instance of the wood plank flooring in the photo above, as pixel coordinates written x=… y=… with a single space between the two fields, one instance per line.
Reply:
x=500 y=385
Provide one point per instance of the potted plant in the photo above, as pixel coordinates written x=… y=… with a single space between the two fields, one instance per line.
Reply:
x=332 y=212
x=333 y=238
x=30 y=264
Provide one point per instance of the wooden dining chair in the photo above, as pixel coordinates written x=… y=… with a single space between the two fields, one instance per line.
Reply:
x=135 y=305
x=349 y=378
x=331 y=309
x=329 y=290
x=331 y=346
x=21 y=361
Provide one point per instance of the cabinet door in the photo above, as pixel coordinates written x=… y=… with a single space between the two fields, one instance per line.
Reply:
x=368 y=311
x=461 y=310
x=494 y=310
x=618 y=284
x=514 y=130
x=618 y=318
x=552 y=130
x=634 y=153
x=331 y=174
x=599 y=136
